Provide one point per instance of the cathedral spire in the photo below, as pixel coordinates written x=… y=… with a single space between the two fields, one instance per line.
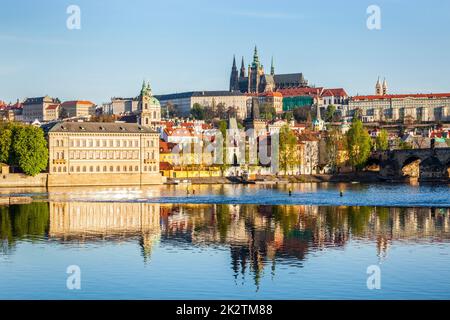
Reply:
x=242 y=74
x=234 y=77
x=272 y=67
x=255 y=56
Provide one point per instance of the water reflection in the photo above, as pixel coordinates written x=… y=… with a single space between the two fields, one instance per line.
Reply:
x=257 y=236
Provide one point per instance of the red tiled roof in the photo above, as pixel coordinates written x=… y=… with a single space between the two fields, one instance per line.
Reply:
x=291 y=92
x=165 y=166
x=179 y=132
x=52 y=107
x=335 y=92
x=166 y=147
x=402 y=96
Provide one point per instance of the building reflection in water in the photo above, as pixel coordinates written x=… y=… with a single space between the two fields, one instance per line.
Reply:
x=106 y=221
x=258 y=237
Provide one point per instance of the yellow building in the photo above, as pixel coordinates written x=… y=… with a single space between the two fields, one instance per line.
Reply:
x=99 y=153
x=179 y=164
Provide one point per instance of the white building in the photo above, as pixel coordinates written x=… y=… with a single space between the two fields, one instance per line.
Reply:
x=42 y=109
x=184 y=102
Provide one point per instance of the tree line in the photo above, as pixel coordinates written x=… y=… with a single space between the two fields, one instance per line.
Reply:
x=23 y=147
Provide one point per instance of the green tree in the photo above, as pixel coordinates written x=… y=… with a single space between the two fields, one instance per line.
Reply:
x=333 y=140
x=288 y=116
x=222 y=125
x=198 y=112
x=5 y=143
x=382 y=141
x=302 y=114
x=288 y=155
x=329 y=115
x=29 y=149
x=358 y=144
x=403 y=145
x=267 y=111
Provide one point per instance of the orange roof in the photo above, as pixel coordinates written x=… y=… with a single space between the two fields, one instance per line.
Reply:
x=52 y=107
x=166 y=147
x=402 y=96
x=180 y=132
x=165 y=166
x=77 y=102
x=272 y=94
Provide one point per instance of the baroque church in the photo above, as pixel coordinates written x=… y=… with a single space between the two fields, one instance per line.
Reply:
x=149 y=108
x=257 y=81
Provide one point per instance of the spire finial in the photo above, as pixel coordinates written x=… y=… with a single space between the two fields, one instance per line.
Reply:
x=272 y=67
x=255 y=55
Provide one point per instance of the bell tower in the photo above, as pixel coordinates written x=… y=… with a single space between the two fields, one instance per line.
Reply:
x=149 y=108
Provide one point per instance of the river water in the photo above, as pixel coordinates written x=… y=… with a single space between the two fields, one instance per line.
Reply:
x=228 y=242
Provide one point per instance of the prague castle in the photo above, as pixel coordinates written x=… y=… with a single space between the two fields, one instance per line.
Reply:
x=257 y=81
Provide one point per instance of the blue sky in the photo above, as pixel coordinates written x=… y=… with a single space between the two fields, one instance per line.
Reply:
x=181 y=45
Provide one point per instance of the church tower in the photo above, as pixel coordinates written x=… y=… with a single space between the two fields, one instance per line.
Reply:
x=149 y=113
x=255 y=71
x=242 y=73
x=378 y=89
x=385 y=87
x=234 y=79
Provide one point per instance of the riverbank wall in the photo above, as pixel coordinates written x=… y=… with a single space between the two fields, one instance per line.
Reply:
x=20 y=180
x=364 y=177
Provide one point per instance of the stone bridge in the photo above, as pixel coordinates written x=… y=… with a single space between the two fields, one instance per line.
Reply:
x=423 y=164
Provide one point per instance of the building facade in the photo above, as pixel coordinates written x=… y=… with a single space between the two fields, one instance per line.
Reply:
x=85 y=153
x=77 y=108
x=401 y=107
x=43 y=109
x=384 y=107
x=184 y=102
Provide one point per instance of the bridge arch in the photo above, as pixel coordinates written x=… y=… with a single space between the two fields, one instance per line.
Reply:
x=373 y=164
x=431 y=168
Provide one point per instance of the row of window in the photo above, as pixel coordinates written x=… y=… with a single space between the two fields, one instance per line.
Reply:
x=110 y=155
x=104 y=143
x=104 y=168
